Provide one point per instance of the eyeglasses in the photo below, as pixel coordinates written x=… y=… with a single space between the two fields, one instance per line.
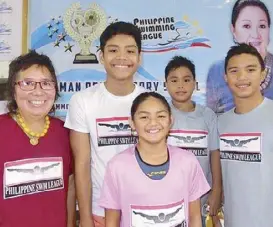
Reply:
x=31 y=85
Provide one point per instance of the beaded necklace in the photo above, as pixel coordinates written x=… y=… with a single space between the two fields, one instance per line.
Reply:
x=33 y=136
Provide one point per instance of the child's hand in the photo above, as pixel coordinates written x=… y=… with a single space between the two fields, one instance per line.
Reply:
x=214 y=202
x=216 y=221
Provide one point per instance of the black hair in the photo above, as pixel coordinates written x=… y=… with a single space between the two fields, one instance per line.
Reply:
x=241 y=4
x=243 y=48
x=143 y=97
x=177 y=62
x=22 y=63
x=120 y=28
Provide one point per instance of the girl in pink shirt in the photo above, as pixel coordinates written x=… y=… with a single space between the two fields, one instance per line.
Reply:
x=152 y=183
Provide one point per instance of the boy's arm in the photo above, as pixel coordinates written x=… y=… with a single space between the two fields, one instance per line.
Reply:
x=81 y=151
x=215 y=196
x=77 y=122
x=195 y=214
x=215 y=199
x=112 y=218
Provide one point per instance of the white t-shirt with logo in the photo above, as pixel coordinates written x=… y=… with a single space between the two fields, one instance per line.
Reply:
x=105 y=117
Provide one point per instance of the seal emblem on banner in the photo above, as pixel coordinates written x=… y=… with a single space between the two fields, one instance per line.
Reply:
x=84 y=26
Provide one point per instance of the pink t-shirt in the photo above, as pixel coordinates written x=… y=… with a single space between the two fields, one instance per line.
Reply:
x=147 y=202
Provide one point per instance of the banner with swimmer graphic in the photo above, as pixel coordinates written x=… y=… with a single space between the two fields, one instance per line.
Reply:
x=197 y=29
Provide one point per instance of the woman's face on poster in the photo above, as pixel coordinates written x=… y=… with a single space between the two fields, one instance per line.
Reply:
x=252 y=27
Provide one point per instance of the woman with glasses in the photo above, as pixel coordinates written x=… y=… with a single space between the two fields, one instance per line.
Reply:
x=35 y=157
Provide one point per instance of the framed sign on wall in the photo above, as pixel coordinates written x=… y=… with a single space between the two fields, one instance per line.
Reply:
x=13 y=24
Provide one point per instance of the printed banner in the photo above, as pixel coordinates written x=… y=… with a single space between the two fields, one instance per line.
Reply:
x=201 y=30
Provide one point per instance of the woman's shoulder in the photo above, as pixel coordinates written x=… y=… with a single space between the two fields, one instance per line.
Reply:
x=7 y=124
x=5 y=118
x=58 y=124
x=56 y=120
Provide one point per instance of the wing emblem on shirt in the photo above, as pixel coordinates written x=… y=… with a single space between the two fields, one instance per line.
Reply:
x=118 y=127
x=237 y=142
x=160 y=218
x=188 y=139
x=35 y=169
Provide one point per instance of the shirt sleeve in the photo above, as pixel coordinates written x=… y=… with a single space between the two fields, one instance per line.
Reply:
x=198 y=182
x=76 y=118
x=109 y=198
x=213 y=137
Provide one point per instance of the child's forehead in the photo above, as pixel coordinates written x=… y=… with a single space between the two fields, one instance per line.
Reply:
x=181 y=72
x=121 y=40
x=151 y=102
x=243 y=61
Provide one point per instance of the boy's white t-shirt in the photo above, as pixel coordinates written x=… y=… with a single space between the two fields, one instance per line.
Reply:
x=105 y=117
